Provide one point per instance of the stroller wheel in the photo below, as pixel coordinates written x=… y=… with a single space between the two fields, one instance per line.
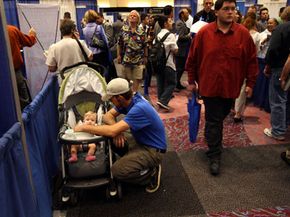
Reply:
x=119 y=190
x=73 y=198
x=114 y=191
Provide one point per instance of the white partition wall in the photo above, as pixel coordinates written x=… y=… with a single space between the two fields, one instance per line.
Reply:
x=44 y=19
x=273 y=6
x=64 y=6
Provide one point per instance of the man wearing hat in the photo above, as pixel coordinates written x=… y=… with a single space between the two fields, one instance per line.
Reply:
x=142 y=164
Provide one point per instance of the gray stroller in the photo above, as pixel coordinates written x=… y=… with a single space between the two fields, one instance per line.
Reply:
x=80 y=92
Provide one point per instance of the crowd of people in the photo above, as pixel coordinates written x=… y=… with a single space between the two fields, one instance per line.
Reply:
x=222 y=60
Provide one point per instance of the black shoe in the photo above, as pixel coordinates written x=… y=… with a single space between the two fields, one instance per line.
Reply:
x=214 y=166
x=180 y=87
x=238 y=120
x=284 y=158
x=155 y=180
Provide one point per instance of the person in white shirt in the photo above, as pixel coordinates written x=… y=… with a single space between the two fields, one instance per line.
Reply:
x=166 y=79
x=66 y=52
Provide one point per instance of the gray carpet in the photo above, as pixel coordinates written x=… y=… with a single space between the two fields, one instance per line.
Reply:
x=252 y=177
x=175 y=197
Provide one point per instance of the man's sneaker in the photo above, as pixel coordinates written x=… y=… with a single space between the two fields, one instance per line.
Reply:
x=268 y=132
x=163 y=106
x=155 y=180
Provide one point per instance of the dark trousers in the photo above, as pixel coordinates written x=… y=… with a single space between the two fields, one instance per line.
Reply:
x=23 y=91
x=166 y=82
x=216 y=110
x=148 y=76
x=180 y=64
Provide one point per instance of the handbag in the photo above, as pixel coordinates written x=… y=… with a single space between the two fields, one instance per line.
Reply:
x=193 y=108
x=96 y=41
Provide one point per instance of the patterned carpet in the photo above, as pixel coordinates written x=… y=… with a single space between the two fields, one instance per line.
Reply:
x=177 y=131
x=276 y=211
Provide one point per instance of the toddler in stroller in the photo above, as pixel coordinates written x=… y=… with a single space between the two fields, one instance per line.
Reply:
x=90 y=118
x=80 y=99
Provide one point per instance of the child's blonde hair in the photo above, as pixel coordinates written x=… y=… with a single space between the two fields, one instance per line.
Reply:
x=90 y=113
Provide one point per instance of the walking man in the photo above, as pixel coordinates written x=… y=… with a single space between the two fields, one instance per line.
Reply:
x=219 y=67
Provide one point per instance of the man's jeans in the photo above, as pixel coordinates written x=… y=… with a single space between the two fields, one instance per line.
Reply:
x=278 y=100
x=216 y=110
x=166 y=82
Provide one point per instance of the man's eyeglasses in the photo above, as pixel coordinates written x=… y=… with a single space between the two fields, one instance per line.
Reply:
x=229 y=8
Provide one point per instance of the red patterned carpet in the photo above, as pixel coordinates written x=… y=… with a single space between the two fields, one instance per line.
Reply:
x=267 y=212
x=248 y=133
x=177 y=131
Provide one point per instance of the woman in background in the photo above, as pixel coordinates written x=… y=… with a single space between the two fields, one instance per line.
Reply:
x=250 y=23
x=261 y=89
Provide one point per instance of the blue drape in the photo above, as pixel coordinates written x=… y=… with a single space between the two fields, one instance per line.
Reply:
x=81 y=7
x=7 y=109
x=16 y=197
x=179 y=4
x=261 y=89
x=11 y=10
x=41 y=127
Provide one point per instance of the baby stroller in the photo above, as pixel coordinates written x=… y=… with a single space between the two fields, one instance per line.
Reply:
x=81 y=91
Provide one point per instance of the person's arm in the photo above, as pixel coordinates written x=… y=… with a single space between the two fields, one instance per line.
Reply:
x=182 y=31
x=50 y=59
x=191 y=65
x=104 y=130
x=52 y=68
x=285 y=73
x=110 y=119
x=110 y=116
x=87 y=50
x=110 y=34
x=252 y=67
x=27 y=40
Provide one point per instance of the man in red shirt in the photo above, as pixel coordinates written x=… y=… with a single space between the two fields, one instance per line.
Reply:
x=221 y=56
x=18 y=40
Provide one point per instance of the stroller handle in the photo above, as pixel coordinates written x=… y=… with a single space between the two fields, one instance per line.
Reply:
x=99 y=68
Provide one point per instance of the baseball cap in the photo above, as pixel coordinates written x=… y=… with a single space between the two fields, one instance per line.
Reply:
x=116 y=87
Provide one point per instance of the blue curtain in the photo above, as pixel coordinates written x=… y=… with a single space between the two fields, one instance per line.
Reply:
x=16 y=198
x=7 y=113
x=81 y=7
x=179 y=4
x=11 y=10
x=41 y=127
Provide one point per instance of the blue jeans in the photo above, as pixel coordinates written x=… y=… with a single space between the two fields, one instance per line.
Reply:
x=166 y=82
x=278 y=100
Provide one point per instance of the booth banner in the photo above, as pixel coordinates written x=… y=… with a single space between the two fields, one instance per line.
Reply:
x=44 y=19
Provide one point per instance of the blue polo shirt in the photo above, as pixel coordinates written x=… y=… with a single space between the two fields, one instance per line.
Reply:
x=145 y=123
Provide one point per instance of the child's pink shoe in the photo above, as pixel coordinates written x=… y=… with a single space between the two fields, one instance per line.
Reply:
x=73 y=158
x=90 y=158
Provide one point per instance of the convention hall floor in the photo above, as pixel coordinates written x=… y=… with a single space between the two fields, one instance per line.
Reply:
x=254 y=181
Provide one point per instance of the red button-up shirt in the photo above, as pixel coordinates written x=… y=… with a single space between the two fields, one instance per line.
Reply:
x=18 y=40
x=219 y=62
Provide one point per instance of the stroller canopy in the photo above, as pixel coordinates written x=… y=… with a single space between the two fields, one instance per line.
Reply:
x=79 y=79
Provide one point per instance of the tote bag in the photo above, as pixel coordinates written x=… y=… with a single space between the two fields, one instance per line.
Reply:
x=193 y=108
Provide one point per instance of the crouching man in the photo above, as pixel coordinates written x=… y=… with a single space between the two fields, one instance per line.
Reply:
x=142 y=163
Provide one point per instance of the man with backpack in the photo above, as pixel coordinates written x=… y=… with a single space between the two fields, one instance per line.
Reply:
x=165 y=66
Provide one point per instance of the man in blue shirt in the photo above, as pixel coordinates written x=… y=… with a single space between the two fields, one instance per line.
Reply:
x=142 y=164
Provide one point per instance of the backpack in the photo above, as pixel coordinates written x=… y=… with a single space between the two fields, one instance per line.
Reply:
x=157 y=54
